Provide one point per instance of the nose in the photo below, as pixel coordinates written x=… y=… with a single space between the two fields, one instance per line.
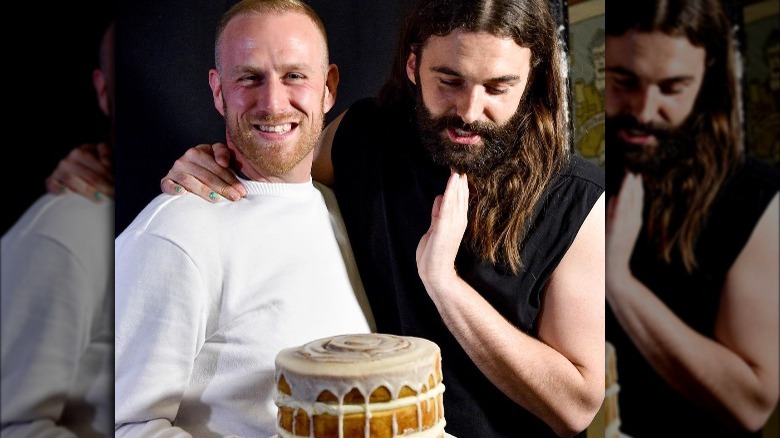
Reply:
x=272 y=97
x=470 y=105
x=645 y=104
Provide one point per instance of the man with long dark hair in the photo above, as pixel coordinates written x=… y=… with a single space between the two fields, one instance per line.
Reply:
x=692 y=238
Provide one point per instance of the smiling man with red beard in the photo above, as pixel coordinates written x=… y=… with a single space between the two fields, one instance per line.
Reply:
x=692 y=228
x=206 y=295
x=273 y=103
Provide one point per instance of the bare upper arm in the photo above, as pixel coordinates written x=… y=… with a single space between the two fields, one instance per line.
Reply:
x=572 y=316
x=748 y=320
x=322 y=167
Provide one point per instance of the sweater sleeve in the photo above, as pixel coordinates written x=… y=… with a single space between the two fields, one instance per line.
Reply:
x=45 y=329
x=159 y=319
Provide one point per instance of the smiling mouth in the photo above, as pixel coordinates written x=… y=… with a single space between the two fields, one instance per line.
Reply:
x=281 y=128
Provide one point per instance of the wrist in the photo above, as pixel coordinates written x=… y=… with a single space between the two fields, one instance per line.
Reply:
x=619 y=281
x=439 y=280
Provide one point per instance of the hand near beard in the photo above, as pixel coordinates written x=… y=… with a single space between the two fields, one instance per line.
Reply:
x=624 y=222
x=438 y=247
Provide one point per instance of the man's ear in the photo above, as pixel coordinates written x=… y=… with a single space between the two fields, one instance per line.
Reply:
x=331 y=86
x=411 y=67
x=101 y=88
x=216 y=90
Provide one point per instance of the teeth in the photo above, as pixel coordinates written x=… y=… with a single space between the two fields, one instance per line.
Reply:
x=277 y=129
x=463 y=133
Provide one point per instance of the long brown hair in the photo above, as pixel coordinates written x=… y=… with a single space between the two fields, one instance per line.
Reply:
x=501 y=203
x=677 y=202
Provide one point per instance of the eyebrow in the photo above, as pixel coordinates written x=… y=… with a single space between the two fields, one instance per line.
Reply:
x=305 y=68
x=673 y=79
x=298 y=67
x=450 y=72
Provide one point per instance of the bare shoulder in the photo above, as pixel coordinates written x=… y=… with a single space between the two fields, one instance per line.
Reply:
x=762 y=246
x=579 y=277
x=589 y=241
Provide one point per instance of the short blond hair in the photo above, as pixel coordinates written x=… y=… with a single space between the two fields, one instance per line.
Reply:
x=252 y=7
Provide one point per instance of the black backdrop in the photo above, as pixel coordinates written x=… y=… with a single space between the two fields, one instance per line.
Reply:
x=164 y=104
x=50 y=103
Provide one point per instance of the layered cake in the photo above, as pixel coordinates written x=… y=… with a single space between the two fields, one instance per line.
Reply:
x=360 y=385
x=611 y=412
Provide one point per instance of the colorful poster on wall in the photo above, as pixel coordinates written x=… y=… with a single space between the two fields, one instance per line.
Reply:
x=762 y=74
x=586 y=46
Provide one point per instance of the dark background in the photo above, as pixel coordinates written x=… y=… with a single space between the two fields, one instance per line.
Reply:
x=52 y=104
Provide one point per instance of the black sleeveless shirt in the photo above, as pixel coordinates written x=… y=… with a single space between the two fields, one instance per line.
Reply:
x=648 y=406
x=385 y=183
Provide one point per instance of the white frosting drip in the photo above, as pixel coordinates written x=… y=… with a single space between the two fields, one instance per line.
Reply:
x=363 y=362
x=318 y=408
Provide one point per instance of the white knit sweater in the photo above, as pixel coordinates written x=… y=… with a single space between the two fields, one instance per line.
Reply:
x=56 y=320
x=206 y=295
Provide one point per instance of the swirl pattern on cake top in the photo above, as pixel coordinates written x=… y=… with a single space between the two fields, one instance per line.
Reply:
x=354 y=348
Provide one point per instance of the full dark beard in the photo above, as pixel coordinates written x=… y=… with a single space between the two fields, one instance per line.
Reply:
x=673 y=147
x=496 y=144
